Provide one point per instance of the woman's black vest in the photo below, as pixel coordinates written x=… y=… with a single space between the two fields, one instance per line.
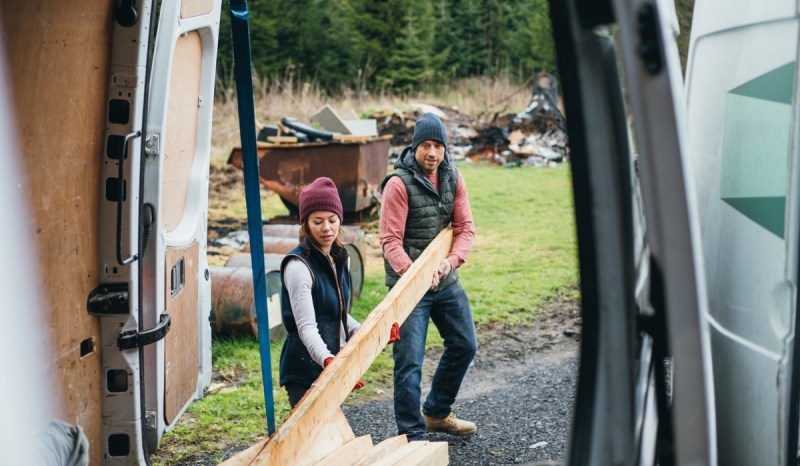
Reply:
x=331 y=297
x=429 y=211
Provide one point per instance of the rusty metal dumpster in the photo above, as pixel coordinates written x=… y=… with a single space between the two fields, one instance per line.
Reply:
x=356 y=164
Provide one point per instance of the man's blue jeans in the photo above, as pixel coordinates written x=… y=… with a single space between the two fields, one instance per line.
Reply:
x=450 y=311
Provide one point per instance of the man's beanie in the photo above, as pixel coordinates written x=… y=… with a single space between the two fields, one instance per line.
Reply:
x=321 y=194
x=428 y=128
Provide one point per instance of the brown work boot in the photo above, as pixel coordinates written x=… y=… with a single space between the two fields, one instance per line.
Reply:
x=450 y=425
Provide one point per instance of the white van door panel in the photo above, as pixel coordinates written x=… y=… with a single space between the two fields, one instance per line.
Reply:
x=176 y=183
x=741 y=83
x=153 y=222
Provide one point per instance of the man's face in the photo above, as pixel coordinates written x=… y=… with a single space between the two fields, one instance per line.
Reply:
x=429 y=155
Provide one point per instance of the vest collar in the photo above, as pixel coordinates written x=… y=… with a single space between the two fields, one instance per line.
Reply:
x=340 y=255
x=409 y=162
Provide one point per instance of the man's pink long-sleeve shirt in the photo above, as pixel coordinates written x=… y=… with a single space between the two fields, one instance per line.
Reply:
x=394 y=211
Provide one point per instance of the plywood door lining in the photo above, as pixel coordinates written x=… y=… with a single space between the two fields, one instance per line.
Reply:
x=58 y=57
x=180 y=136
x=192 y=8
x=181 y=351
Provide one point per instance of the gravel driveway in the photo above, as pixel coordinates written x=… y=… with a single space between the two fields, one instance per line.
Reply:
x=519 y=391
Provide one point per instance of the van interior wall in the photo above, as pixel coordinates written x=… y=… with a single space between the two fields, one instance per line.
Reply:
x=58 y=57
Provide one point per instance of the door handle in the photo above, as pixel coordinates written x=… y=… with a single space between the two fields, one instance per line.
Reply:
x=133 y=339
x=120 y=197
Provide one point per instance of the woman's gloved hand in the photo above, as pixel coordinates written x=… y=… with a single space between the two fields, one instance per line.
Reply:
x=394 y=334
x=358 y=386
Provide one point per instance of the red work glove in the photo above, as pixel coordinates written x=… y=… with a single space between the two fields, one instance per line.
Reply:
x=394 y=335
x=359 y=385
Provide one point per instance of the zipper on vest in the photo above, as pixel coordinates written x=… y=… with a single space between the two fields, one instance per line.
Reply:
x=342 y=323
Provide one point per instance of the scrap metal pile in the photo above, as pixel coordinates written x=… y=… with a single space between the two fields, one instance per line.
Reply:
x=535 y=136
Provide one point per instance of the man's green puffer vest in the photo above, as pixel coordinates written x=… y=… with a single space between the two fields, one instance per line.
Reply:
x=429 y=212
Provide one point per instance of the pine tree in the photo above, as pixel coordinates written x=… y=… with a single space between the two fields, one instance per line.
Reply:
x=530 y=41
x=340 y=57
x=446 y=43
x=410 y=65
x=263 y=41
x=377 y=26
x=471 y=58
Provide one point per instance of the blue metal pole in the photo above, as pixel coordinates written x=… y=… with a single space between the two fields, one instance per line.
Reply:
x=244 y=96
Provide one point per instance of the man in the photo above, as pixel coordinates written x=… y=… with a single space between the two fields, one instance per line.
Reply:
x=423 y=195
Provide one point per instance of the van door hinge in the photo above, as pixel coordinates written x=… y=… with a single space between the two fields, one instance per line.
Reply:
x=150 y=420
x=132 y=339
x=152 y=145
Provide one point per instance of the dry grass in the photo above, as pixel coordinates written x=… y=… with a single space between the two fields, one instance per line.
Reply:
x=480 y=98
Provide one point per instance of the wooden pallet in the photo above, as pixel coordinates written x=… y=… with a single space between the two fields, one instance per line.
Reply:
x=316 y=431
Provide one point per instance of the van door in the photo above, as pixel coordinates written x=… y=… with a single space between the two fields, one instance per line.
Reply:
x=654 y=85
x=743 y=126
x=177 y=159
x=642 y=299
x=154 y=275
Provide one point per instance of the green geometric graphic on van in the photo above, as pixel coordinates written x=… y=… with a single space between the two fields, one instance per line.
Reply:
x=755 y=147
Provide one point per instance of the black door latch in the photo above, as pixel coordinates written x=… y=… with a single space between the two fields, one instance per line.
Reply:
x=132 y=339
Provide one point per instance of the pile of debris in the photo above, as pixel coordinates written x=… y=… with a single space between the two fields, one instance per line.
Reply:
x=330 y=126
x=536 y=136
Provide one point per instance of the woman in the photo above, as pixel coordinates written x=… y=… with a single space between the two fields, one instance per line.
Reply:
x=315 y=302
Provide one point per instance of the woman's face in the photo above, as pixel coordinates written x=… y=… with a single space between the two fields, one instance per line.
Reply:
x=324 y=228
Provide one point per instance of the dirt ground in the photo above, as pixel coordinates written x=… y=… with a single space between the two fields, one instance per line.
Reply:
x=504 y=349
x=225 y=187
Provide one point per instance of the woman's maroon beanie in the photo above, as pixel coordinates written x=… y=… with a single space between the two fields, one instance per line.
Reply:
x=321 y=194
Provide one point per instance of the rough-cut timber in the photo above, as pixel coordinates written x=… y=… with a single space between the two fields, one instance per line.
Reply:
x=343 y=456
x=416 y=453
x=319 y=444
x=293 y=444
x=381 y=450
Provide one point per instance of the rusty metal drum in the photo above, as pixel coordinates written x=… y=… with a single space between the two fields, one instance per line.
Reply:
x=232 y=304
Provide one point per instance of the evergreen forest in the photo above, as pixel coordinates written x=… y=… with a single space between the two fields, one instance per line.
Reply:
x=397 y=46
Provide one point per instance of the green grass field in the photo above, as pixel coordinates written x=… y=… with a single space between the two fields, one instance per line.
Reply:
x=524 y=255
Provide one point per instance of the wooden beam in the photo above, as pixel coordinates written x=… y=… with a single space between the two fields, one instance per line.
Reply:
x=398 y=456
x=382 y=449
x=351 y=138
x=290 y=444
x=282 y=139
x=431 y=454
x=348 y=453
x=318 y=443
